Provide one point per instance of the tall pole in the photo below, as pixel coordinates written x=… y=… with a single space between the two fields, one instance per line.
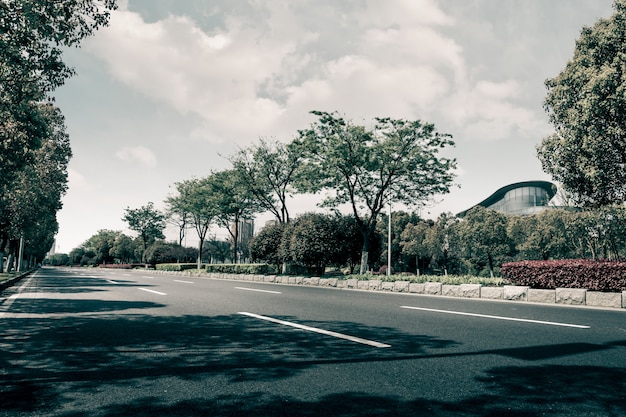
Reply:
x=21 y=254
x=389 y=242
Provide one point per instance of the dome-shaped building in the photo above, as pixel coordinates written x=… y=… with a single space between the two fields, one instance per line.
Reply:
x=528 y=197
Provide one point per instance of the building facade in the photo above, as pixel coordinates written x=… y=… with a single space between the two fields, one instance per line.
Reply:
x=521 y=198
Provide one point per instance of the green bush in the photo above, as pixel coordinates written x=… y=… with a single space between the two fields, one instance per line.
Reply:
x=252 y=269
x=444 y=279
x=175 y=267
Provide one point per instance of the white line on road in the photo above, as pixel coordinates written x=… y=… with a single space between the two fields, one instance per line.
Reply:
x=152 y=291
x=184 y=282
x=316 y=330
x=254 y=289
x=460 y=313
x=111 y=281
x=145 y=276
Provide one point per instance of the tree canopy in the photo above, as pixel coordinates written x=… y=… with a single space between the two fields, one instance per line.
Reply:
x=396 y=161
x=586 y=103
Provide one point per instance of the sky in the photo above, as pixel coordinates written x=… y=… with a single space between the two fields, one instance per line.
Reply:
x=170 y=89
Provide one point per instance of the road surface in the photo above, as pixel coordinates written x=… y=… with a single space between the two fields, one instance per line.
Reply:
x=100 y=342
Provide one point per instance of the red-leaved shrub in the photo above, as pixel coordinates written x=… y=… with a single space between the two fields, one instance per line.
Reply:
x=568 y=273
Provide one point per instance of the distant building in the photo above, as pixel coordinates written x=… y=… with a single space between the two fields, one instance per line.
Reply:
x=521 y=198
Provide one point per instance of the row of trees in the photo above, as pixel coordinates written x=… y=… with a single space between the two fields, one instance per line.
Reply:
x=477 y=244
x=35 y=146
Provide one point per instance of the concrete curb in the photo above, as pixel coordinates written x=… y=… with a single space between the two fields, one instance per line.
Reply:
x=559 y=296
x=11 y=282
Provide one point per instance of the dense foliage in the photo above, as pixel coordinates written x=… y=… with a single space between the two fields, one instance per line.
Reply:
x=578 y=273
x=586 y=103
x=34 y=146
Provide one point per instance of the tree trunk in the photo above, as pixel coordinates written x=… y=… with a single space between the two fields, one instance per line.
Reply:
x=364 y=261
x=200 y=245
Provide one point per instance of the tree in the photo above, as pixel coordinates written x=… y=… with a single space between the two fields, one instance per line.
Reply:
x=586 y=103
x=101 y=244
x=268 y=170
x=440 y=243
x=413 y=243
x=310 y=241
x=123 y=249
x=265 y=245
x=195 y=197
x=483 y=236
x=33 y=34
x=31 y=197
x=398 y=160
x=233 y=201
x=147 y=221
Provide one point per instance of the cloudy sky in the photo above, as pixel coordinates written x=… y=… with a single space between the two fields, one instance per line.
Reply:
x=171 y=88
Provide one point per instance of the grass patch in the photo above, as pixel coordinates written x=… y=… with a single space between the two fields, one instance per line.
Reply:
x=444 y=279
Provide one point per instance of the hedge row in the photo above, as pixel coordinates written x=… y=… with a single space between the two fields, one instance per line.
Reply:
x=254 y=269
x=175 y=267
x=568 y=273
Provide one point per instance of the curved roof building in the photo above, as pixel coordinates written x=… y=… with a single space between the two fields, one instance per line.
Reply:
x=528 y=197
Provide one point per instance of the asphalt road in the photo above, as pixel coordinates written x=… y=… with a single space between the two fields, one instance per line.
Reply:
x=91 y=342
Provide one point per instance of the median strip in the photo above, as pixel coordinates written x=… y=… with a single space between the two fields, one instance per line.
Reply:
x=317 y=330
x=460 y=313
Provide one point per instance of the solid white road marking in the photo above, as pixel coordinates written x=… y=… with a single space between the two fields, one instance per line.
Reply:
x=184 y=282
x=257 y=290
x=316 y=330
x=152 y=291
x=111 y=281
x=460 y=313
x=145 y=276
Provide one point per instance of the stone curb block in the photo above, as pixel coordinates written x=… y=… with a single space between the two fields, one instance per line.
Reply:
x=571 y=296
x=417 y=288
x=604 y=299
x=623 y=299
x=401 y=286
x=515 y=293
x=432 y=288
x=374 y=285
x=469 y=290
x=541 y=296
x=387 y=286
x=450 y=290
x=492 y=293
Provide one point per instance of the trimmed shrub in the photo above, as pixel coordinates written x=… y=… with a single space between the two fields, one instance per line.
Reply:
x=175 y=267
x=568 y=273
x=252 y=269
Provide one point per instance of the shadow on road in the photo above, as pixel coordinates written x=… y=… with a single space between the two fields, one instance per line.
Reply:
x=46 y=363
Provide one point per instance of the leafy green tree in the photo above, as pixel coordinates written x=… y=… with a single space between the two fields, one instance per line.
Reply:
x=101 y=244
x=398 y=160
x=147 y=221
x=440 y=243
x=195 y=197
x=268 y=170
x=123 y=249
x=33 y=194
x=233 y=201
x=265 y=245
x=58 y=259
x=33 y=34
x=311 y=240
x=413 y=243
x=76 y=255
x=586 y=103
x=540 y=236
x=484 y=239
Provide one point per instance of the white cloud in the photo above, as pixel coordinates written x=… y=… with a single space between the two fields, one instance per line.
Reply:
x=248 y=76
x=138 y=154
